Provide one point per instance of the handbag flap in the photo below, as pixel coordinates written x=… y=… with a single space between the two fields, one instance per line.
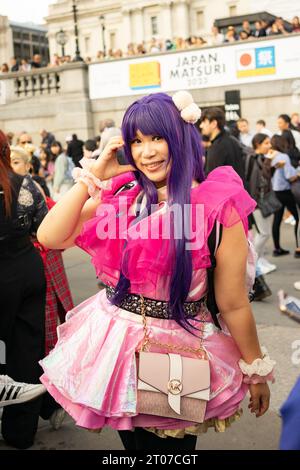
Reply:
x=202 y=395
x=154 y=370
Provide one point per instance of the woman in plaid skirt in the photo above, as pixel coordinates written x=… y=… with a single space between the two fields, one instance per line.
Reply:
x=58 y=295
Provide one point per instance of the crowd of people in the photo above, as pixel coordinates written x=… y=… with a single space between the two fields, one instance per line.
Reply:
x=52 y=162
x=269 y=164
x=43 y=193
x=231 y=34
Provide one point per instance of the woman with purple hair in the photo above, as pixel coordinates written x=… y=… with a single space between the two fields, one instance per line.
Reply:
x=146 y=227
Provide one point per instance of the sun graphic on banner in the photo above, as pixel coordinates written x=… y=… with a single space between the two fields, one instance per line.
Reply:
x=255 y=61
x=245 y=59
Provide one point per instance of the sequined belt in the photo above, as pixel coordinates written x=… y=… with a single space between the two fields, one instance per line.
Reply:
x=154 y=308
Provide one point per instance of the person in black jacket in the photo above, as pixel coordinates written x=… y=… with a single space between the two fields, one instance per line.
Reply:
x=23 y=299
x=224 y=149
x=47 y=139
x=75 y=150
x=291 y=148
x=259 y=31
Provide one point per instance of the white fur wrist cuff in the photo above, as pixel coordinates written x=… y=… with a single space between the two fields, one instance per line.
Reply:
x=261 y=367
x=84 y=174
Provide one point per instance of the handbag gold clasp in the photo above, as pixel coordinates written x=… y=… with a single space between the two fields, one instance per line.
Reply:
x=175 y=386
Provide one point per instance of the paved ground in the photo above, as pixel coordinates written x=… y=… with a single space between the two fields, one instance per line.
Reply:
x=276 y=331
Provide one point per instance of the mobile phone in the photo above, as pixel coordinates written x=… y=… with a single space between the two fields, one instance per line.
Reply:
x=121 y=156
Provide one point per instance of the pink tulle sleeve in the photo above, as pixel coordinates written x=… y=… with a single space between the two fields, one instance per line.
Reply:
x=226 y=199
x=148 y=261
x=106 y=248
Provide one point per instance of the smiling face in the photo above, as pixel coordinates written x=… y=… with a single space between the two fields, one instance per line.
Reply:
x=264 y=147
x=151 y=156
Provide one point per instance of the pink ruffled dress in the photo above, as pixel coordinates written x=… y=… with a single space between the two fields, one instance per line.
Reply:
x=91 y=371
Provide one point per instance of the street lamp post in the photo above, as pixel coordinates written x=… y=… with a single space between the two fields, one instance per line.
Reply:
x=77 y=57
x=62 y=39
x=102 y=23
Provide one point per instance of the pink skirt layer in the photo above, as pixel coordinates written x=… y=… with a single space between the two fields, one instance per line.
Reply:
x=91 y=371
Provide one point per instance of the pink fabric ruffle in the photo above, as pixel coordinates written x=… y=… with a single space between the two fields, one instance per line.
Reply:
x=147 y=262
x=91 y=371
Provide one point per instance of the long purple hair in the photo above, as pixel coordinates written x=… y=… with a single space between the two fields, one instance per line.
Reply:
x=156 y=114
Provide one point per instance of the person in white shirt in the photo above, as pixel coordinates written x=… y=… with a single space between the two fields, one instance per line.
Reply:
x=245 y=135
x=261 y=128
x=216 y=38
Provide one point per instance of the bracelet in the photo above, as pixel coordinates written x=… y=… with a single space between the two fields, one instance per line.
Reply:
x=260 y=371
x=84 y=174
x=258 y=379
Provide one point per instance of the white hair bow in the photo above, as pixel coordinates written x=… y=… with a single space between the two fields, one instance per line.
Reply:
x=184 y=102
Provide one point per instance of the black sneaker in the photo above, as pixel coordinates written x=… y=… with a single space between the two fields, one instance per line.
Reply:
x=261 y=289
x=13 y=393
x=280 y=252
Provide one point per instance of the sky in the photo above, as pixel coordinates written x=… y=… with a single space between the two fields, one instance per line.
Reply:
x=35 y=10
x=25 y=10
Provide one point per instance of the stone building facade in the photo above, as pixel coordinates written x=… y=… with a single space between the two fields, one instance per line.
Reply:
x=22 y=40
x=135 y=21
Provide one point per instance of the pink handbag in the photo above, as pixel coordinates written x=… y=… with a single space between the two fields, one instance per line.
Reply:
x=172 y=385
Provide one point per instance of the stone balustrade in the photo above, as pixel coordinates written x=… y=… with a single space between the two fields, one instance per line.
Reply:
x=55 y=98
x=59 y=98
x=37 y=83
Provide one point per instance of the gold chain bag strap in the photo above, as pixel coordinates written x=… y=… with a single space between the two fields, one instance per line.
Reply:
x=171 y=385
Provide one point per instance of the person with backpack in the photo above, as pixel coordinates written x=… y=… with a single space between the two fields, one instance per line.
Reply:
x=64 y=166
x=155 y=301
x=258 y=183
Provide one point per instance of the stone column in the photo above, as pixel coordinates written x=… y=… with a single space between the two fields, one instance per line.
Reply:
x=126 y=37
x=138 y=28
x=182 y=19
x=74 y=114
x=167 y=20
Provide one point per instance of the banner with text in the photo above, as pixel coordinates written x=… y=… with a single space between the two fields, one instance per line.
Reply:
x=245 y=62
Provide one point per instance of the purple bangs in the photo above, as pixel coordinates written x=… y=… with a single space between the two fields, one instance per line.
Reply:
x=156 y=114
